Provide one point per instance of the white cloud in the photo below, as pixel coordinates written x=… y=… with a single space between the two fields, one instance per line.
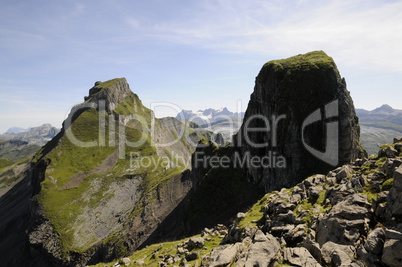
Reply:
x=357 y=33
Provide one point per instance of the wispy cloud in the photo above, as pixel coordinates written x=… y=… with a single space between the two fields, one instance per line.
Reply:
x=358 y=33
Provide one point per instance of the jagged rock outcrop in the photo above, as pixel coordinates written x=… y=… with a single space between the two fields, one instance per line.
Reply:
x=300 y=110
x=354 y=220
x=111 y=96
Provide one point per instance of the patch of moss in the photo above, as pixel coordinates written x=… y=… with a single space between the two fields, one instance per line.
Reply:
x=371 y=192
x=387 y=184
x=315 y=59
x=255 y=213
x=312 y=207
x=108 y=84
x=380 y=162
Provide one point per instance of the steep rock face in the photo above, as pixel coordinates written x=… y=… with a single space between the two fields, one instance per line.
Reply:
x=300 y=110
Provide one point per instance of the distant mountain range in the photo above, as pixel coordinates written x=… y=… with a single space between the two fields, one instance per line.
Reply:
x=220 y=121
x=18 y=143
x=35 y=135
x=379 y=126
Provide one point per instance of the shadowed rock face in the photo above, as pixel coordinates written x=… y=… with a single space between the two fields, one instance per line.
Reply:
x=287 y=92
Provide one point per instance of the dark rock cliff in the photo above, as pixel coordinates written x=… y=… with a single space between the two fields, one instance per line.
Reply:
x=301 y=118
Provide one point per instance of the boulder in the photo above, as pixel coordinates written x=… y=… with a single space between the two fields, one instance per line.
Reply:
x=392 y=255
x=314 y=180
x=398 y=147
x=391 y=152
x=299 y=257
x=263 y=253
x=340 y=258
x=193 y=255
x=344 y=172
x=296 y=235
x=195 y=242
x=336 y=253
x=346 y=221
x=397 y=140
x=313 y=247
x=368 y=258
x=225 y=255
x=375 y=241
x=398 y=179
x=260 y=237
x=126 y=261
x=390 y=166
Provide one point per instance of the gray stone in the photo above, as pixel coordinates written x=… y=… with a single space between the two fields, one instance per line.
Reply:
x=284 y=208
x=314 y=180
x=314 y=191
x=390 y=165
x=398 y=179
x=288 y=218
x=240 y=216
x=368 y=258
x=375 y=241
x=126 y=261
x=299 y=257
x=397 y=140
x=344 y=172
x=193 y=255
x=313 y=247
x=391 y=152
x=140 y=262
x=181 y=250
x=296 y=235
x=392 y=253
x=225 y=255
x=195 y=242
x=260 y=237
x=354 y=207
x=398 y=147
x=339 y=253
x=263 y=253
x=340 y=258
x=345 y=222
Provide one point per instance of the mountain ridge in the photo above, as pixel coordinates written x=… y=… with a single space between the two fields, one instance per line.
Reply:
x=115 y=178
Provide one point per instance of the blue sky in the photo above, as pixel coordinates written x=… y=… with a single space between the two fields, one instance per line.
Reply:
x=195 y=54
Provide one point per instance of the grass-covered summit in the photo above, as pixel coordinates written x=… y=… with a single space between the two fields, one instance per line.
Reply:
x=314 y=59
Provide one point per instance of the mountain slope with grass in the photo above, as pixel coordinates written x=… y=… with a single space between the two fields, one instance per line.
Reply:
x=104 y=183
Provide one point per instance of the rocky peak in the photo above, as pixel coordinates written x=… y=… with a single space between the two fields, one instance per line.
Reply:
x=304 y=113
x=112 y=92
x=384 y=109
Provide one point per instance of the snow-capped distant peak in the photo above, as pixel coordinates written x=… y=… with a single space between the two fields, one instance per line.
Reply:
x=209 y=115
